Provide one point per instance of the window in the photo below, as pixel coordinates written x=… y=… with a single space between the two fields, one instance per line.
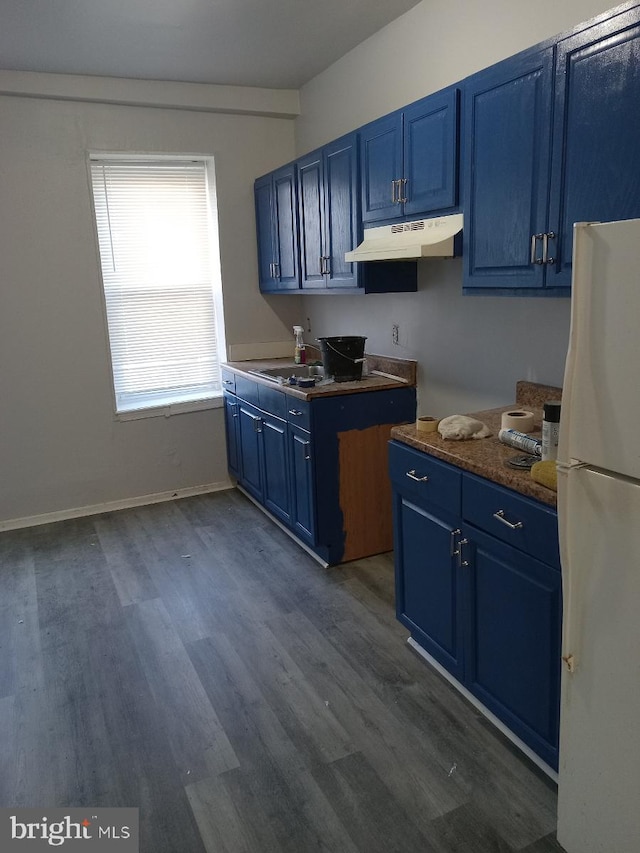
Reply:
x=157 y=255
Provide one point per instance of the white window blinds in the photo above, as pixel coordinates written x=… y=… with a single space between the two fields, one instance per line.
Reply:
x=155 y=252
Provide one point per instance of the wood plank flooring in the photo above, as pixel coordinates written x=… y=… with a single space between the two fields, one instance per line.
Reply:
x=190 y=660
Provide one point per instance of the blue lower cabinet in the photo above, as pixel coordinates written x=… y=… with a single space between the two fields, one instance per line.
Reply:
x=302 y=484
x=481 y=602
x=231 y=407
x=251 y=451
x=314 y=464
x=513 y=640
x=276 y=494
x=428 y=584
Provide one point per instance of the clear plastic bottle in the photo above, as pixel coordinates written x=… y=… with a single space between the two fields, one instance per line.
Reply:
x=299 y=352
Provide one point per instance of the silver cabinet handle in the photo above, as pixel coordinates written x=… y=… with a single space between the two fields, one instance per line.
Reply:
x=394 y=200
x=234 y=406
x=550 y=235
x=321 y=264
x=534 y=241
x=462 y=563
x=412 y=476
x=402 y=199
x=307 y=451
x=453 y=550
x=227 y=381
x=257 y=424
x=296 y=413
x=276 y=269
x=499 y=516
x=327 y=270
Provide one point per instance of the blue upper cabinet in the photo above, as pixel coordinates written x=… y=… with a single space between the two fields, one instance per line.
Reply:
x=596 y=162
x=430 y=181
x=409 y=160
x=328 y=215
x=507 y=120
x=381 y=163
x=551 y=138
x=330 y=226
x=277 y=230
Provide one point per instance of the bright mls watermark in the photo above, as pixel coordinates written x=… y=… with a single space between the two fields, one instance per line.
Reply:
x=90 y=829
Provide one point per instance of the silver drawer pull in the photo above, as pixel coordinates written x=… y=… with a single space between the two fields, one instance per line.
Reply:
x=227 y=381
x=462 y=563
x=412 y=476
x=500 y=517
x=296 y=412
x=453 y=550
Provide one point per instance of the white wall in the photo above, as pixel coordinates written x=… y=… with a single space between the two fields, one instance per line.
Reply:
x=60 y=447
x=470 y=349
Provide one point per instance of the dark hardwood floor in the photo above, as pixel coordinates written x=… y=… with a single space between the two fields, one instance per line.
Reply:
x=190 y=660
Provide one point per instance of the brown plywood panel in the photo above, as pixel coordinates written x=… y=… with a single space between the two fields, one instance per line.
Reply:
x=365 y=491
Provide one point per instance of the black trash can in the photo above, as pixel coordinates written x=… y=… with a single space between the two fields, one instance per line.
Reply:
x=342 y=357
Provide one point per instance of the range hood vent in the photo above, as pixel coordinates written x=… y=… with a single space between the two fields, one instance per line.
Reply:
x=423 y=238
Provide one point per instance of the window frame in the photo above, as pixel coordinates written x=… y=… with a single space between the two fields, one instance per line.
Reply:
x=165 y=409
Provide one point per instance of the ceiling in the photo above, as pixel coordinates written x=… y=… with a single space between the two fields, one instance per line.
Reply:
x=269 y=43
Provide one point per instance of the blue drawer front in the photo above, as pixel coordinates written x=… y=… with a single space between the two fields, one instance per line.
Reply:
x=424 y=478
x=272 y=400
x=298 y=412
x=247 y=390
x=228 y=381
x=515 y=519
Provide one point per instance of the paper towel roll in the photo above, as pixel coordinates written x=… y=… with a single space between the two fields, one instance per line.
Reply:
x=518 y=419
x=427 y=424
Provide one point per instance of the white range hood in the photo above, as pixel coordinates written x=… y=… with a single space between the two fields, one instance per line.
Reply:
x=424 y=238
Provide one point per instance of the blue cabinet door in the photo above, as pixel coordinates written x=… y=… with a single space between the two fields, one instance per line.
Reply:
x=231 y=416
x=342 y=230
x=596 y=167
x=263 y=193
x=250 y=446
x=328 y=215
x=513 y=643
x=427 y=581
x=430 y=181
x=409 y=160
x=312 y=221
x=507 y=111
x=381 y=165
x=302 y=484
x=286 y=228
x=277 y=231
x=275 y=490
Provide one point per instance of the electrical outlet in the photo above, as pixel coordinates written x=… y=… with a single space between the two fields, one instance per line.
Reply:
x=395 y=334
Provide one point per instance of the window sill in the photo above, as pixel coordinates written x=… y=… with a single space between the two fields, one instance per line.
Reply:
x=167 y=410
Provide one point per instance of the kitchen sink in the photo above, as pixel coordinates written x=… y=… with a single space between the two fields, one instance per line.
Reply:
x=283 y=374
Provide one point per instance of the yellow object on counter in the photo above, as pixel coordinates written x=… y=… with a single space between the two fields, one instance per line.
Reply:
x=546 y=474
x=427 y=424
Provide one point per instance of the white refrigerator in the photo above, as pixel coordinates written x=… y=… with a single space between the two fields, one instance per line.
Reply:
x=599 y=522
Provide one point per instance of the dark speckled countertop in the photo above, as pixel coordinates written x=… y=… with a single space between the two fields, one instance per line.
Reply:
x=488 y=457
x=398 y=372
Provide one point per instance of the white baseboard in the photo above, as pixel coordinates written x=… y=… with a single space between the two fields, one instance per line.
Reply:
x=285 y=529
x=487 y=713
x=111 y=506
